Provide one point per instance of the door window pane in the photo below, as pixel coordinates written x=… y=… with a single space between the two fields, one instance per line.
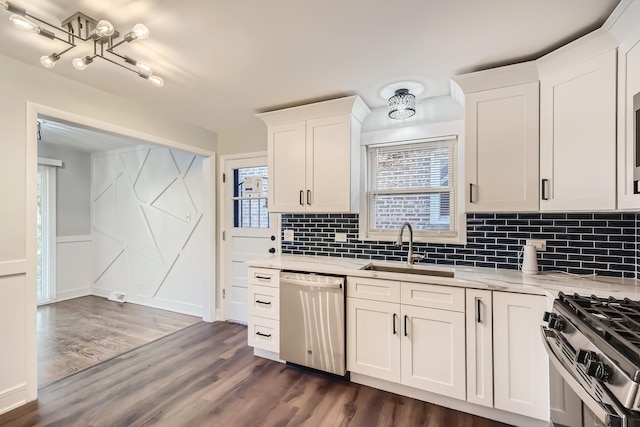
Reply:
x=250 y=208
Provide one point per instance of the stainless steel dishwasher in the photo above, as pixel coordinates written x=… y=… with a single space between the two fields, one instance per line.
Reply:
x=312 y=329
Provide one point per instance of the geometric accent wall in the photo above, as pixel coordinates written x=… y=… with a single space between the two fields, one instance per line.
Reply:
x=148 y=230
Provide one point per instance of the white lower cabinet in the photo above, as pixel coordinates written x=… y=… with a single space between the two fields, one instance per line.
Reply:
x=263 y=329
x=485 y=347
x=432 y=350
x=479 y=318
x=373 y=338
x=521 y=374
x=420 y=347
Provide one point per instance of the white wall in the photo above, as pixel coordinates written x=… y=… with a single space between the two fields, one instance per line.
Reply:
x=20 y=85
x=149 y=236
x=72 y=189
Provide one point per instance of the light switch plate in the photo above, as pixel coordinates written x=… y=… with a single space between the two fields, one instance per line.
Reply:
x=541 y=245
x=340 y=237
x=288 y=235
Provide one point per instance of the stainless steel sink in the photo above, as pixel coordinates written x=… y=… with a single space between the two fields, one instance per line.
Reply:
x=424 y=271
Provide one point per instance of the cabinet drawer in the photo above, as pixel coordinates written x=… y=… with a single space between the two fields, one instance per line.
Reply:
x=264 y=277
x=264 y=301
x=264 y=334
x=433 y=296
x=373 y=289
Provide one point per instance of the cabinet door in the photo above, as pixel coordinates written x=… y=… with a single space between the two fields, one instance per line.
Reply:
x=373 y=338
x=501 y=149
x=433 y=356
x=479 y=319
x=578 y=136
x=286 y=162
x=521 y=374
x=328 y=164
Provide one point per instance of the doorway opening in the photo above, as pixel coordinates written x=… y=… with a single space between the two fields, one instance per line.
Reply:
x=131 y=219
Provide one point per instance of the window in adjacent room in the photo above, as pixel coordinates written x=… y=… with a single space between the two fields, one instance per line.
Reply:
x=412 y=182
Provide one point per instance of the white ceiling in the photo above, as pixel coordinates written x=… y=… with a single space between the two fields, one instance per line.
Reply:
x=82 y=138
x=224 y=61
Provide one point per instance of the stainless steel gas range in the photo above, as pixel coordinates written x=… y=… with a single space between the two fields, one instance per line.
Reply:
x=594 y=343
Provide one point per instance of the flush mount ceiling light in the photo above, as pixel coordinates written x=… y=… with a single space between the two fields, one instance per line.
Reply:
x=82 y=28
x=402 y=105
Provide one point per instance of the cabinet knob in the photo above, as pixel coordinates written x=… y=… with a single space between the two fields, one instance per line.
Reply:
x=273 y=238
x=272 y=250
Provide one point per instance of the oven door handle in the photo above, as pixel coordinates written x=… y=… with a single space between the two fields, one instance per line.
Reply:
x=603 y=414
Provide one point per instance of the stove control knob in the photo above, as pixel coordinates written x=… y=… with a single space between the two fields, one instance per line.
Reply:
x=586 y=356
x=556 y=323
x=598 y=370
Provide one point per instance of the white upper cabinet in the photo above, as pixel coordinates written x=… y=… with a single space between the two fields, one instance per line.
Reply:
x=501 y=138
x=627 y=31
x=313 y=156
x=578 y=131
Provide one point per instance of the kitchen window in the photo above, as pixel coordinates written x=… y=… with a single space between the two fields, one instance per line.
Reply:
x=412 y=182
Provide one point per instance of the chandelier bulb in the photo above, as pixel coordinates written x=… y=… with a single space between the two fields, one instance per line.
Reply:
x=81 y=64
x=104 y=28
x=49 y=61
x=156 y=81
x=144 y=68
x=140 y=31
x=23 y=23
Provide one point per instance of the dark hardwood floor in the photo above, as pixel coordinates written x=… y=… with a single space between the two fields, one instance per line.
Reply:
x=206 y=375
x=81 y=332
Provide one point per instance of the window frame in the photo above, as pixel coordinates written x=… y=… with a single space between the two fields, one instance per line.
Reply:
x=458 y=235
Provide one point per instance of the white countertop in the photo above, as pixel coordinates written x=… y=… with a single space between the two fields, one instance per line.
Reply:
x=471 y=277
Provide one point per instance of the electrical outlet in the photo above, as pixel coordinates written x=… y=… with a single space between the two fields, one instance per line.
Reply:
x=540 y=245
x=288 y=235
x=340 y=237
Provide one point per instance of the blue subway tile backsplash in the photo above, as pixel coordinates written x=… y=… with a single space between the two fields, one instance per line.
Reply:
x=606 y=244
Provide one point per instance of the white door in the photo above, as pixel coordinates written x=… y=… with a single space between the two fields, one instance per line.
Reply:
x=250 y=231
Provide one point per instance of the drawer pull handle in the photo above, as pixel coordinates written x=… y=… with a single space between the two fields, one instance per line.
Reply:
x=263 y=302
x=405 y=325
x=263 y=278
x=543 y=188
x=301 y=198
x=393 y=320
x=263 y=335
x=478 y=310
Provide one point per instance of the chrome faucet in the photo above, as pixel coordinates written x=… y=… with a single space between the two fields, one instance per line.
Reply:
x=410 y=256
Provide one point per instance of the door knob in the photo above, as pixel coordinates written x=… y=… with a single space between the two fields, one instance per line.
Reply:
x=272 y=250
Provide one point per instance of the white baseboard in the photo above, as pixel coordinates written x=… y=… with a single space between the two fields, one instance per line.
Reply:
x=267 y=355
x=176 y=306
x=73 y=239
x=13 y=397
x=73 y=293
x=449 y=402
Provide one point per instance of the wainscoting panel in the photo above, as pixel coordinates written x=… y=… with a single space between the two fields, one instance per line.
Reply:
x=73 y=267
x=148 y=240
x=13 y=366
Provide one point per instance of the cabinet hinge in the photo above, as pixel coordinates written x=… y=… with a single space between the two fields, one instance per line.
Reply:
x=224 y=177
x=224 y=293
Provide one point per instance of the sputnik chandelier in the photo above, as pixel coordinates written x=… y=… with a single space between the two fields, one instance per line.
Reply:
x=80 y=27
